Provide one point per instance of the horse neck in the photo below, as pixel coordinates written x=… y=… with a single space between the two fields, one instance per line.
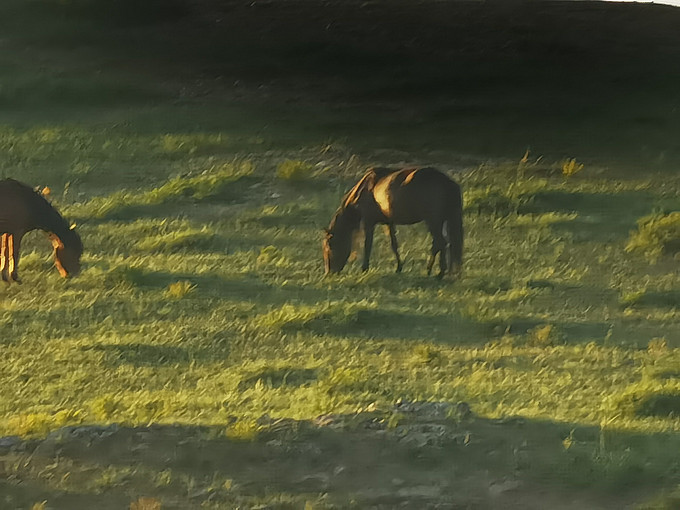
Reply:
x=47 y=218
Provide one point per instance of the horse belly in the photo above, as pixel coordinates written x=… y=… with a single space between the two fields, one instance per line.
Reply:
x=14 y=217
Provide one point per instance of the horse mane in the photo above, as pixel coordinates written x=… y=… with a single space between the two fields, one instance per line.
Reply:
x=352 y=196
x=366 y=183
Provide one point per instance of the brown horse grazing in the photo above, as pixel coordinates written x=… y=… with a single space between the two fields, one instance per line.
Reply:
x=399 y=197
x=23 y=209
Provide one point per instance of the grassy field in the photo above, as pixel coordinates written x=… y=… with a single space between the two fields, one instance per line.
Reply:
x=202 y=360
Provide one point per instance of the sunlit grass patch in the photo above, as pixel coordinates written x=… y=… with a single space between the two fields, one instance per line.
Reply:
x=275 y=375
x=192 y=238
x=294 y=170
x=39 y=424
x=191 y=143
x=146 y=504
x=180 y=289
x=270 y=256
x=209 y=183
x=657 y=235
x=538 y=220
x=243 y=430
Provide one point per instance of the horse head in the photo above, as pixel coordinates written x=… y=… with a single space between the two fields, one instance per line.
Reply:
x=67 y=252
x=338 y=241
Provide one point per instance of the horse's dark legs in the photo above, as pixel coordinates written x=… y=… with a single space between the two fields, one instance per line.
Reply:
x=395 y=246
x=368 y=245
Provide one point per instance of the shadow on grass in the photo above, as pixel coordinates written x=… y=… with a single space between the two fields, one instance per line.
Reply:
x=657 y=299
x=238 y=190
x=138 y=354
x=573 y=332
x=426 y=460
x=279 y=377
x=633 y=333
x=390 y=324
x=601 y=216
x=245 y=287
x=660 y=404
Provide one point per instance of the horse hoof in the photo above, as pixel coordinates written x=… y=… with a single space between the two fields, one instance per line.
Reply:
x=399 y=269
x=16 y=279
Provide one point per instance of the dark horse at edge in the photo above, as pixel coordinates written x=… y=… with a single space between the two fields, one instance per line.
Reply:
x=23 y=209
x=399 y=197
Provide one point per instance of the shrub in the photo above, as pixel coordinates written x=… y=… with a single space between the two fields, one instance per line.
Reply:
x=294 y=170
x=145 y=504
x=543 y=336
x=179 y=289
x=571 y=167
x=243 y=430
x=657 y=234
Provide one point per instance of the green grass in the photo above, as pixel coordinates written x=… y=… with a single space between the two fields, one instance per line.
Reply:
x=235 y=373
x=210 y=307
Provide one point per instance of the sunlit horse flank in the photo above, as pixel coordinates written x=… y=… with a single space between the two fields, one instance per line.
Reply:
x=22 y=209
x=399 y=197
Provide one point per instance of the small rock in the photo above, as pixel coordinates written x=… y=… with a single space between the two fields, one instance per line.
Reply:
x=498 y=488
x=201 y=493
x=420 y=491
x=9 y=441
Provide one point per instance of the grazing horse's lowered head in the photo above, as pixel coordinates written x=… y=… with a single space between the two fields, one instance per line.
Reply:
x=338 y=241
x=67 y=252
x=23 y=209
x=399 y=197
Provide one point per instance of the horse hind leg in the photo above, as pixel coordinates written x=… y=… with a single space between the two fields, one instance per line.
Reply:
x=3 y=260
x=4 y=256
x=438 y=247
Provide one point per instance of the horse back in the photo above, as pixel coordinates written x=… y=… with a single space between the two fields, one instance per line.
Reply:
x=412 y=195
x=19 y=205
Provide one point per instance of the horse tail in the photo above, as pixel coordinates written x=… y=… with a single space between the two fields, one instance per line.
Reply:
x=453 y=230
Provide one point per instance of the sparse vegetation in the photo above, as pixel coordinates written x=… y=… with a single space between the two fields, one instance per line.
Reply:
x=201 y=360
x=657 y=235
x=570 y=167
x=294 y=170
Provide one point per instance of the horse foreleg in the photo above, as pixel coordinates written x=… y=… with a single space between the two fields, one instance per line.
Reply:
x=368 y=245
x=14 y=248
x=3 y=258
x=395 y=245
x=10 y=255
